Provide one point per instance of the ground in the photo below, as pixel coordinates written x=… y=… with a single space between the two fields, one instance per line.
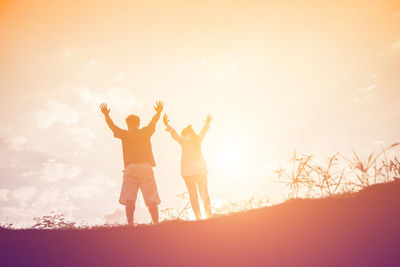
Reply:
x=360 y=229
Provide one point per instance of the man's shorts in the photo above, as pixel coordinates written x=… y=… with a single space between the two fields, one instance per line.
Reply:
x=139 y=176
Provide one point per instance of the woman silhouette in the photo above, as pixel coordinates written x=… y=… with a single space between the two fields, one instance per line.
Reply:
x=193 y=166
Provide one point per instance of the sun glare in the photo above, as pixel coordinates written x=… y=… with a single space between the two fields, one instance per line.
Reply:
x=232 y=155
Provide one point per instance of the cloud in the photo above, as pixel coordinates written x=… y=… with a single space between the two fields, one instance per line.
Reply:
x=56 y=112
x=16 y=143
x=118 y=216
x=73 y=171
x=118 y=78
x=4 y=128
x=82 y=135
x=66 y=53
x=51 y=200
x=4 y=194
x=12 y=212
x=91 y=64
x=49 y=195
x=101 y=181
x=53 y=171
x=365 y=94
x=84 y=191
x=396 y=45
x=24 y=194
x=119 y=99
x=29 y=173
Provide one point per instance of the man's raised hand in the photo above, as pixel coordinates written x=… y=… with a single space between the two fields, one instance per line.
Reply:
x=104 y=109
x=159 y=106
x=208 y=119
x=165 y=119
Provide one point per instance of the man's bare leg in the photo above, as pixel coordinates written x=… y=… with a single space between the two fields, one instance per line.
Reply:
x=129 y=210
x=153 y=209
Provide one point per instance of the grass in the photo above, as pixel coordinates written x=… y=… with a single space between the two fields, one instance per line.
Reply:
x=307 y=178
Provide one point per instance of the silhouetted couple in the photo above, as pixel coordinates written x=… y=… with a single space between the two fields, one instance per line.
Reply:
x=139 y=163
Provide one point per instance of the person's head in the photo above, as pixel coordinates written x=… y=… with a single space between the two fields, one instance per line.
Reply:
x=190 y=133
x=133 y=122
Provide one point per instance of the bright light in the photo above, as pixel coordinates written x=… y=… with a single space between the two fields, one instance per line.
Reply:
x=230 y=155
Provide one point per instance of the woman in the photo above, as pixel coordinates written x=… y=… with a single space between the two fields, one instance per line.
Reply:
x=193 y=165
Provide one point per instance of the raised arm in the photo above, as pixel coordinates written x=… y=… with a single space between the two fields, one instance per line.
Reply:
x=106 y=111
x=152 y=124
x=205 y=127
x=171 y=130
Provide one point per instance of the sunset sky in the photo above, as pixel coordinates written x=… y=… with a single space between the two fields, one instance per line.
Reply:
x=279 y=75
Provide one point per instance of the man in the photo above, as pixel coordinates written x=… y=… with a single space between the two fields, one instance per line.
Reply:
x=138 y=162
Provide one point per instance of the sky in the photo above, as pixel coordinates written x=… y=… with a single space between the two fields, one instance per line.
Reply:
x=315 y=76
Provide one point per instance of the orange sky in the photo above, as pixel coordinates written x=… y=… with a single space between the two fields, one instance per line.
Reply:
x=316 y=76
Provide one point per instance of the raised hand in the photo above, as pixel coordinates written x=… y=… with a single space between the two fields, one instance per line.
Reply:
x=159 y=106
x=208 y=119
x=104 y=109
x=165 y=119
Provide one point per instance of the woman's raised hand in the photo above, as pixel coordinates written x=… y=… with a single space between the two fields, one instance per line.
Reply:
x=165 y=119
x=208 y=119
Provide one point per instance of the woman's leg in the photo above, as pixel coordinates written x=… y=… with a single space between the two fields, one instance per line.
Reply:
x=191 y=186
x=203 y=190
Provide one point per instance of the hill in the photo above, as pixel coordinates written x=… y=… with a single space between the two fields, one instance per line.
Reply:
x=360 y=229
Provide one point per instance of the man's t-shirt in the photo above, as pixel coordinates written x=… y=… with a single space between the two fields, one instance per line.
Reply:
x=136 y=145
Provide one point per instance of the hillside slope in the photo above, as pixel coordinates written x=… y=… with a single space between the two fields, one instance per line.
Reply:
x=358 y=230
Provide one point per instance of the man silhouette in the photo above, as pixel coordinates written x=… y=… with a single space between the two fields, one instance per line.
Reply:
x=138 y=162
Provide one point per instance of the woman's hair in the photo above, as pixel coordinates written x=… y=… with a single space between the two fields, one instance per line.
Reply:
x=189 y=130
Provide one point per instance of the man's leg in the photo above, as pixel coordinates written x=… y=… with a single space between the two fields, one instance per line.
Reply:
x=192 y=189
x=129 y=190
x=149 y=190
x=203 y=190
x=153 y=209
x=129 y=210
